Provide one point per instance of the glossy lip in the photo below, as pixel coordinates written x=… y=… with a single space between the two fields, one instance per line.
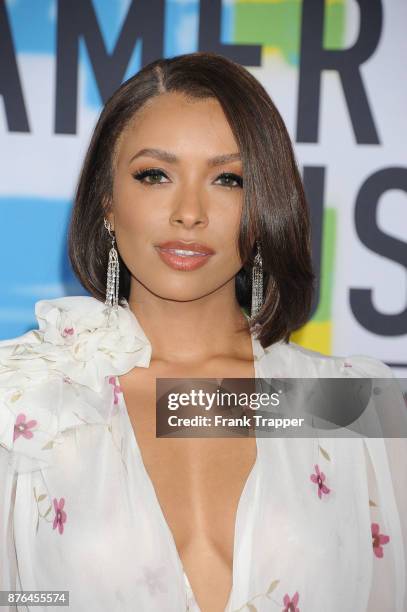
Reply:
x=189 y=246
x=184 y=263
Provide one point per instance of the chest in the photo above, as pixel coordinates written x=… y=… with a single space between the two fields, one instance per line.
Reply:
x=198 y=483
x=114 y=528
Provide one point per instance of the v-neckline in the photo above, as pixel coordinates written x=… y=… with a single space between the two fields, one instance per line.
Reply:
x=257 y=351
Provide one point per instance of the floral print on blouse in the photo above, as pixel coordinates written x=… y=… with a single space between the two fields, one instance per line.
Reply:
x=320 y=524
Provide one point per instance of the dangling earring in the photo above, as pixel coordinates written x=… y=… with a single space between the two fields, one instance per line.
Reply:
x=257 y=283
x=112 y=282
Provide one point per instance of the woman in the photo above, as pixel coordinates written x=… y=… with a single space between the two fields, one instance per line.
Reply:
x=91 y=501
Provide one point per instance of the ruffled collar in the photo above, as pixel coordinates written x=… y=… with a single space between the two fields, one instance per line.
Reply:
x=61 y=375
x=78 y=337
x=82 y=339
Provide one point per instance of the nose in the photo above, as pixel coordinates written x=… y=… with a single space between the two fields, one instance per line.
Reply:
x=189 y=211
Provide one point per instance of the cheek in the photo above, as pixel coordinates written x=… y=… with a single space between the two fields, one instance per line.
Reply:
x=133 y=215
x=132 y=219
x=229 y=227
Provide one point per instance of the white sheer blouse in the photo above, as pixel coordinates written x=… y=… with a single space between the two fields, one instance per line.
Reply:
x=321 y=523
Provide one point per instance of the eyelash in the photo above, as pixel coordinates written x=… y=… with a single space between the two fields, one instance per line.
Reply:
x=142 y=174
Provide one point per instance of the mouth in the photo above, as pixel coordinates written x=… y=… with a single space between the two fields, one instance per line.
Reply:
x=183 y=259
x=183 y=252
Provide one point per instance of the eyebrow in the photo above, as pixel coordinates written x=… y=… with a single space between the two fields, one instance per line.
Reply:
x=166 y=156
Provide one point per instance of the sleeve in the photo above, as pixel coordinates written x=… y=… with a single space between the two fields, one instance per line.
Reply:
x=8 y=561
x=386 y=466
x=383 y=594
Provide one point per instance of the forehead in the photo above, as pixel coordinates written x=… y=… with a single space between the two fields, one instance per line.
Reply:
x=175 y=122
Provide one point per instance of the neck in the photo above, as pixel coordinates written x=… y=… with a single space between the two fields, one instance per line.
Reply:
x=193 y=331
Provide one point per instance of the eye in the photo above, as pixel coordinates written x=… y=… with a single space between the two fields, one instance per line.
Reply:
x=156 y=173
x=149 y=173
x=231 y=177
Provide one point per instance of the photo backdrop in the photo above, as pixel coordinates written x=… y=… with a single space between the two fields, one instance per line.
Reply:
x=336 y=71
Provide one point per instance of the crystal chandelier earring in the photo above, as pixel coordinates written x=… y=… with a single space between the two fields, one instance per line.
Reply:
x=112 y=281
x=257 y=283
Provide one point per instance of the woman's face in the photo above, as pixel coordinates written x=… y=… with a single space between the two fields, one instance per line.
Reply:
x=183 y=197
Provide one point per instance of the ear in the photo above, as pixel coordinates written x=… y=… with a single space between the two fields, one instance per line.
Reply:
x=109 y=215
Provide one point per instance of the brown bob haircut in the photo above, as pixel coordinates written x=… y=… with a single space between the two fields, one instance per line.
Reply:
x=275 y=211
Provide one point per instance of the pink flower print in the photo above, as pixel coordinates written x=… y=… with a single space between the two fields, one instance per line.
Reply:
x=291 y=604
x=378 y=539
x=68 y=331
x=60 y=514
x=116 y=389
x=21 y=427
x=319 y=478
